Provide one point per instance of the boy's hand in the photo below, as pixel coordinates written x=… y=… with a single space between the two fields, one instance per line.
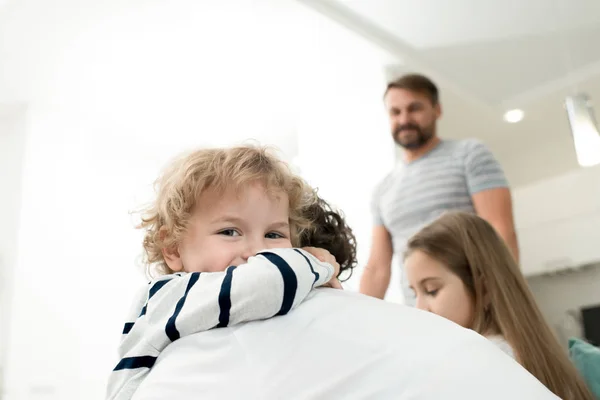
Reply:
x=325 y=256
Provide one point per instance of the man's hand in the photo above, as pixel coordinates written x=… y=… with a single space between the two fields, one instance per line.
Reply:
x=326 y=257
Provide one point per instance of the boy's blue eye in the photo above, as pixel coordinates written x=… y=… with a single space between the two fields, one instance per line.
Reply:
x=229 y=232
x=274 y=235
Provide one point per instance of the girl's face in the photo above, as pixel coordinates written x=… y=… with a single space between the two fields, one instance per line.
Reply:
x=438 y=289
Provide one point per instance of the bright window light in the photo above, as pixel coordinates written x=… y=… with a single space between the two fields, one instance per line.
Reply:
x=584 y=129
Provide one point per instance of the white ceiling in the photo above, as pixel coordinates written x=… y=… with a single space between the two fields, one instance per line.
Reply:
x=488 y=56
x=498 y=50
x=438 y=23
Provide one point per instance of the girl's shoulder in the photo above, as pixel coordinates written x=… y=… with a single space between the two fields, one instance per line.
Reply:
x=502 y=344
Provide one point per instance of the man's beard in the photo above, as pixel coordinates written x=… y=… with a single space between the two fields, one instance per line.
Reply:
x=423 y=135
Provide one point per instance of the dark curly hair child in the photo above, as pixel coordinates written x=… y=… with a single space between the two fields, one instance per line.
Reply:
x=330 y=232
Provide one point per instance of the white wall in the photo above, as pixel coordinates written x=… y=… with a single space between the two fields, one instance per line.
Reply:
x=562 y=295
x=344 y=145
x=12 y=149
x=557 y=221
x=117 y=88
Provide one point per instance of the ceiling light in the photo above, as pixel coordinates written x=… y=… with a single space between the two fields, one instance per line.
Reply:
x=513 y=116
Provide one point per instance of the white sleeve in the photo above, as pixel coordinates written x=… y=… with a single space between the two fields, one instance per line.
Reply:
x=270 y=283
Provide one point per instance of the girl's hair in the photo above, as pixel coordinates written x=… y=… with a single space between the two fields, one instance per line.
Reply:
x=503 y=303
x=329 y=231
x=166 y=220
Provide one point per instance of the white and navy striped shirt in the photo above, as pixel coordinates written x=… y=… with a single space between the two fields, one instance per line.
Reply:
x=176 y=305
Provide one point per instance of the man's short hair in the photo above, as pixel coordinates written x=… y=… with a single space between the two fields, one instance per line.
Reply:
x=416 y=83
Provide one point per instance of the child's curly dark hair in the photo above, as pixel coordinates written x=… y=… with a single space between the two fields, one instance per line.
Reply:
x=330 y=232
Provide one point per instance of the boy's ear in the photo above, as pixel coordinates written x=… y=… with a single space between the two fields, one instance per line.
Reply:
x=172 y=259
x=171 y=254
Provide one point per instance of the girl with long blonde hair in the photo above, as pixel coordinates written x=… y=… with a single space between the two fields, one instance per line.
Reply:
x=460 y=269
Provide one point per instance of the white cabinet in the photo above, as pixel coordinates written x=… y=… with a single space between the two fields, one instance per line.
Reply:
x=558 y=222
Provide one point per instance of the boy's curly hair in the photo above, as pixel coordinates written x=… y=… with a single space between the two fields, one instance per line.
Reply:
x=312 y=220
x=329 y=231
x=166 y=220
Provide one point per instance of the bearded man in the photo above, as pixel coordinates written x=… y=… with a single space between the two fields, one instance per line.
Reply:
x=434 y=175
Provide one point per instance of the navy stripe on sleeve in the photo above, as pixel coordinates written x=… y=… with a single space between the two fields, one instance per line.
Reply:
x=127 y=328
x=155 y=288
x=170 y=328
x=225 y=298
x=290 y=282
x=135 y=362
x=315 y=273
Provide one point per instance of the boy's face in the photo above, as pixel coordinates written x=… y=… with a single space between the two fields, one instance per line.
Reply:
x=228 y=228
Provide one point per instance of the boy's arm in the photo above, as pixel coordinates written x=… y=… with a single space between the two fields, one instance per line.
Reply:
x=271 y=283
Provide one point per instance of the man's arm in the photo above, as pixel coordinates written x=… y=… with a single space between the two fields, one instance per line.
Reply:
x=376 y=275
x=271 y=283
x=490 y=192
x=495 y=206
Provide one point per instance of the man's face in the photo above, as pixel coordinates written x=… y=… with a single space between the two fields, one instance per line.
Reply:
x=412 y=117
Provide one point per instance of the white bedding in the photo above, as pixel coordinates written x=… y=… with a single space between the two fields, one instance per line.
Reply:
x=340 y=345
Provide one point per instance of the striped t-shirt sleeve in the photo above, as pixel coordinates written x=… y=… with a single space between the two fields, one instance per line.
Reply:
x=271 y=283
x=482 y=170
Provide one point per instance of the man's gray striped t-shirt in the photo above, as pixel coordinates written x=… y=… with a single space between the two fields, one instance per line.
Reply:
x=416 y=193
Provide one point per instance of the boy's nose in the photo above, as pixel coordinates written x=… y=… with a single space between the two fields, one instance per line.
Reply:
x=252 y=247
